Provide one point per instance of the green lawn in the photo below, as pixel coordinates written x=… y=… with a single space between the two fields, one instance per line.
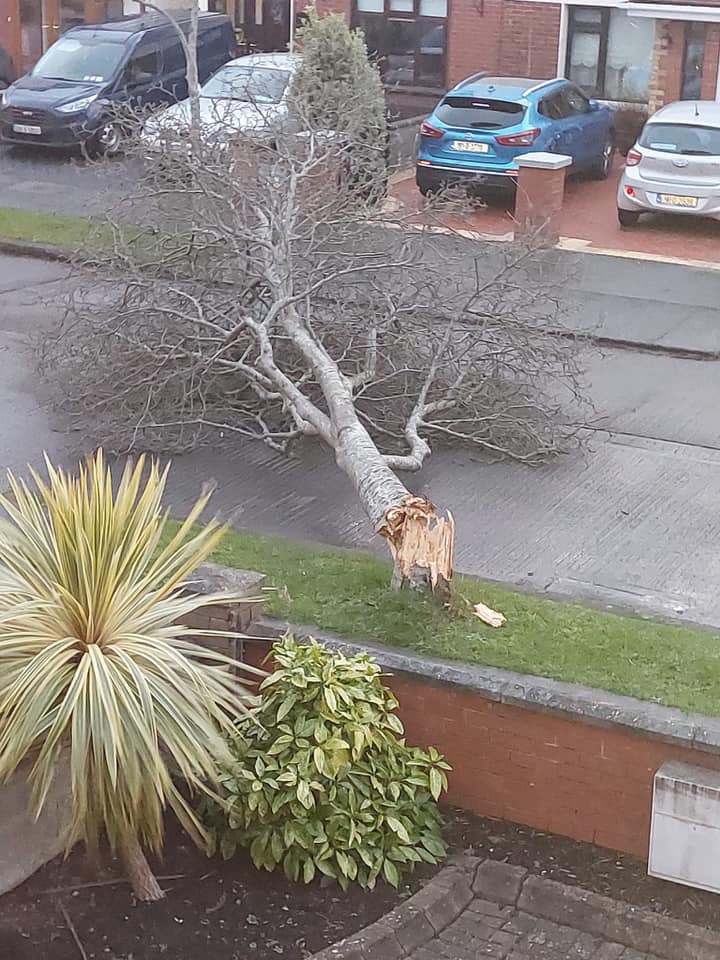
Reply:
x=347 y=592
x=53 y=228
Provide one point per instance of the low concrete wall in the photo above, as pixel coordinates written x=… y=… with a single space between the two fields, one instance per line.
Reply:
x=26 y=843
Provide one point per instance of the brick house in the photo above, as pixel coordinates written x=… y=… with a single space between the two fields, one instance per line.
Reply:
x=636 y=54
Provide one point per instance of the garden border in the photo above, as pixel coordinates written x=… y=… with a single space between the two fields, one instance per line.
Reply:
x=441 y=901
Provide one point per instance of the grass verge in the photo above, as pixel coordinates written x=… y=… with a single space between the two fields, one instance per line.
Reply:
x=347 y=592
x=51 y=228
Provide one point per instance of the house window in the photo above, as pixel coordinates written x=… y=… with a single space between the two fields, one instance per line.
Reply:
x=408 y=38
x=691 y=87
x=609 y=54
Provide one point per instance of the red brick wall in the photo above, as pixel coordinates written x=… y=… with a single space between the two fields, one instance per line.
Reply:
x=554 y=773
x=529 y=40
x=668 y=58
x=474 y=29
x=549 y=771
x=10 y=29
x=501 y=36
x=710 y=61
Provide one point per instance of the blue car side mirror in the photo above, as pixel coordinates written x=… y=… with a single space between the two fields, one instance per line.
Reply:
x=594 y=105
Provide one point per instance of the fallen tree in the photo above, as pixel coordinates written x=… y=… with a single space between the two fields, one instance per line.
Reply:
x=265 y=291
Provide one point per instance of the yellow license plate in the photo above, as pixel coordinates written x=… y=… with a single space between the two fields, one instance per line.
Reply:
x=672 y=201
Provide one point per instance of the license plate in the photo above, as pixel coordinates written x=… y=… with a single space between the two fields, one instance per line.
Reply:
x=672 y=201
x=27 y=128
x=468 y=146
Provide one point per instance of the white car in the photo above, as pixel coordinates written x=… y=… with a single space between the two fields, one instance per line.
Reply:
x=246 y=95
x=675 y=165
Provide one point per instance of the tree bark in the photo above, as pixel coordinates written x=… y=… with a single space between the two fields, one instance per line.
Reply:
x=137 y=869
x=192 y=76
x=421 y=542
x=189 y=45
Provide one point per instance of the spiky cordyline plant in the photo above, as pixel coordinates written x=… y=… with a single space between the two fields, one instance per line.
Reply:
x=94 y=659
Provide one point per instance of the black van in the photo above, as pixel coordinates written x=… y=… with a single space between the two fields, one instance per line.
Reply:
x=77 y=91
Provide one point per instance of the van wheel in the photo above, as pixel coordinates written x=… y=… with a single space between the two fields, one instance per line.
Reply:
x=110 y=138
x=628 y=218
x=107 y=141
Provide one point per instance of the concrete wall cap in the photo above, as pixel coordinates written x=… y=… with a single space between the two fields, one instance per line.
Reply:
x=544 y=161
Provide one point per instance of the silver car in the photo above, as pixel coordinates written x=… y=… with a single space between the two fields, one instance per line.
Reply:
x=246 y=95
x=675 y=165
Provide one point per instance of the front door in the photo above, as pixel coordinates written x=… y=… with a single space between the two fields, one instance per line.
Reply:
x=33 y=41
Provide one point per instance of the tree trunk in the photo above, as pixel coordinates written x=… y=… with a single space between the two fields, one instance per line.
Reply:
x=420 y=540
x=137 y=869
x=192 y=77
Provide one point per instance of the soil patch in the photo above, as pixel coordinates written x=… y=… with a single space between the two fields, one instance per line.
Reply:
x=214 y=910
x=227 y=910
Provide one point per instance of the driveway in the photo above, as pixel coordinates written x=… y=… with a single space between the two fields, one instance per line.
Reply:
x=589 y=221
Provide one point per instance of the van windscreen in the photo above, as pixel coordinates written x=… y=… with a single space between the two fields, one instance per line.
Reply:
x=86 y=60
x=479 y=113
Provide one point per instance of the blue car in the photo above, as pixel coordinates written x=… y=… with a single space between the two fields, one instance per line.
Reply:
x=480 y=128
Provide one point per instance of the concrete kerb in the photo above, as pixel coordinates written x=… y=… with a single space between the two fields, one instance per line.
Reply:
x=444 y=898
x=621 y=923
x=413 y=923
x=39 y=251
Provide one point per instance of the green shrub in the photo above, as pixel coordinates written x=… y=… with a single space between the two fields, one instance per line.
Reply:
x=324 y=782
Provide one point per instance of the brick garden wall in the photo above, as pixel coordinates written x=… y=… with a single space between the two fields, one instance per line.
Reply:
x=562 y=774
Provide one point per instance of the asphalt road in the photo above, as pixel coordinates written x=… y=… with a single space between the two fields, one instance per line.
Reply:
x=634 y=520
x=53 y=181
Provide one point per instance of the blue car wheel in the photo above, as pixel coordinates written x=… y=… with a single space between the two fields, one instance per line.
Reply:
x=601 y=170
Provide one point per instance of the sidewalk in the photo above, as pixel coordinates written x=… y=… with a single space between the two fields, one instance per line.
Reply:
x=589 y=222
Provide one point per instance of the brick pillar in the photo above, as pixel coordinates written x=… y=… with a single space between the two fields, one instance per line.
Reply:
x=710 y=61
x=540 y=193
x=668 y=53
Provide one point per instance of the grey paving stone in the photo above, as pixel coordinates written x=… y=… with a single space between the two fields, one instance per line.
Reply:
x=505 y=939
x=520 y=923
x=609 y=951
x=410 y=926
x=497 y=881
x=584 y=948
x=627 y=924
x=490 y=909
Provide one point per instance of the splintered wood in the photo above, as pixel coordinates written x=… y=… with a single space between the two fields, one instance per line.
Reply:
x=421 y=542
x=489 y=616
x=422 y=545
